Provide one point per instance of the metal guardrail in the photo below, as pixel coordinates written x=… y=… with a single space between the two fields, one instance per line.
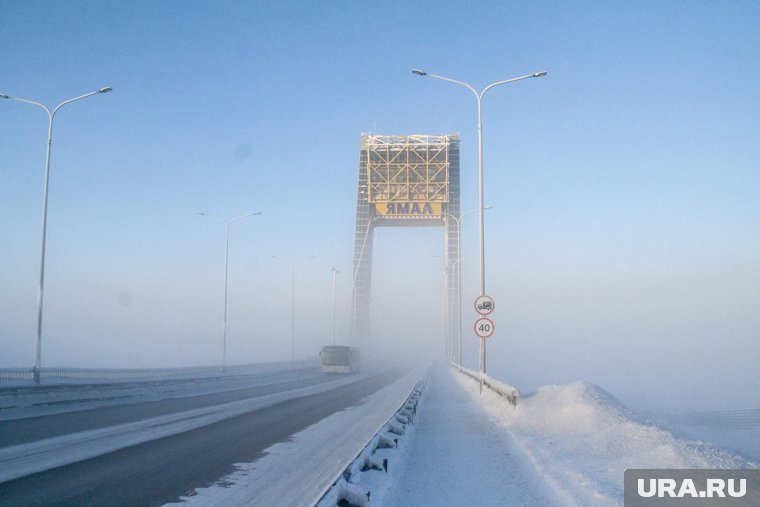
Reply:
x=22 y=376
x=345 y=489
x=511 y=394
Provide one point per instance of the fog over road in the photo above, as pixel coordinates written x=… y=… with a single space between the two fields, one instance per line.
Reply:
x=29 y=429
x=161 y=470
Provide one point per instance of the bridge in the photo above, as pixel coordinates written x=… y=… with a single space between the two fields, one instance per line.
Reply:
x=288 y=434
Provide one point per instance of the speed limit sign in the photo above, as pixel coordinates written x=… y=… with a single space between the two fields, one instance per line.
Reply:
x=483 y=327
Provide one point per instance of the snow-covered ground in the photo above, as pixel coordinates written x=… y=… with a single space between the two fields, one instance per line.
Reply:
x=580 y=440
x=458 y=455
x=563 y=445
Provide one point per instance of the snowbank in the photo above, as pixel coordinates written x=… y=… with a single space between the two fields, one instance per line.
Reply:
x=580 y=440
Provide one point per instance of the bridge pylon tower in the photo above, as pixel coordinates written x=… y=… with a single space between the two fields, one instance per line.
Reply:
x=407 y=181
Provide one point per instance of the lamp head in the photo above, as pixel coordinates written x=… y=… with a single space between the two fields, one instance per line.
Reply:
x=4 y=96
x=419 y=72
x=540 y=74
x=105 y=89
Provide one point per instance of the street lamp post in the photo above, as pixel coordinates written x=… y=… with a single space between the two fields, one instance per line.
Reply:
x=293 y=305
x=293 y=310
x=479 y=97
x=40 y=295
x=335 y=273
x=445 y=305
x=226 y=264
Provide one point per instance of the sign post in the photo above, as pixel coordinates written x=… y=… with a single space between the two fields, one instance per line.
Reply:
x=484 y=327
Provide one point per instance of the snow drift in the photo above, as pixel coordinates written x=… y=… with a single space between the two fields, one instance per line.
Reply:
x=580 y=440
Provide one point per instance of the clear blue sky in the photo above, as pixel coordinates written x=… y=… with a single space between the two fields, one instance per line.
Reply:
x=624 y=242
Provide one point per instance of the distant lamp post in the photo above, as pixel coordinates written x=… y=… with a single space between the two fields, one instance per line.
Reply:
x=479 y=97
x=335 y=273
x=293 y=303
x=456 y=265
x=226 y=264
x=40 y=296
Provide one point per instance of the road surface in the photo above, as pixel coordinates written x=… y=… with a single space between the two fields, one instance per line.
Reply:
x=161 y=470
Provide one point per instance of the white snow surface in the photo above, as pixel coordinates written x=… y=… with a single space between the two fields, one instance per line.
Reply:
x=458 y=455
x=579 y=440
x=565 y=445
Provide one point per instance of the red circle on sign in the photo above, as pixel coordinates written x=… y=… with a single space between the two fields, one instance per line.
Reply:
x=484 y=327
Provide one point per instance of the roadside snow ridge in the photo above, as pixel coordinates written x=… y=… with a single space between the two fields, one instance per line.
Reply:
x=580 y=440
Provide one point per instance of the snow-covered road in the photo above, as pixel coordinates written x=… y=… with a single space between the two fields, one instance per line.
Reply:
x=28 y=458
x=154 y=460
x=298 y=472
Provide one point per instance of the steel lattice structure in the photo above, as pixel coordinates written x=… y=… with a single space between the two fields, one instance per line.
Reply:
x=406 y=181
x=411 y=168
